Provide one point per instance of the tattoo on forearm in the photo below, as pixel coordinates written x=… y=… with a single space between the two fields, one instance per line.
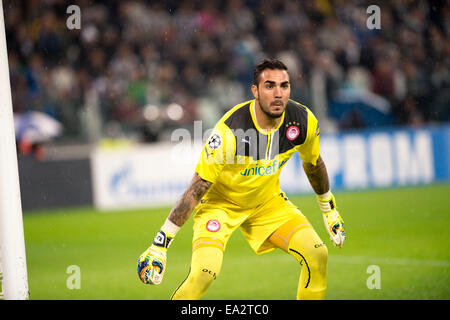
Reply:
x=317 y=176
x=186 y=203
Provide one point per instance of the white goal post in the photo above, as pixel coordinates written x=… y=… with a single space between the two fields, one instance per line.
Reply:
x=13 y=267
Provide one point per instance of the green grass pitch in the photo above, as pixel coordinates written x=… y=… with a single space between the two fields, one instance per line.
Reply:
x=404 y=231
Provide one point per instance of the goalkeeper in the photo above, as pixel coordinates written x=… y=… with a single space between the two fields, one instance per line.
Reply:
x=236 y=185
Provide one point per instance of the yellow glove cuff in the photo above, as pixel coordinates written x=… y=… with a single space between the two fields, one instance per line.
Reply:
x=327 y=202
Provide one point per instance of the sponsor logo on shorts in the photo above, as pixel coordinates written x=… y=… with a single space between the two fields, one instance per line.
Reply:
x=213 y=225
x=211 y=273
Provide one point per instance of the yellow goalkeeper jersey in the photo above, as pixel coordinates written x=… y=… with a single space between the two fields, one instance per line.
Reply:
x=244 y=161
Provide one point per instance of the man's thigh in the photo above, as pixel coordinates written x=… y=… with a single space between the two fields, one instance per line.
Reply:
x=214 y=223
x=277 y=214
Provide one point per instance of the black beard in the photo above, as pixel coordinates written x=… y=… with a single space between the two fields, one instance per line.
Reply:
x=269 y=114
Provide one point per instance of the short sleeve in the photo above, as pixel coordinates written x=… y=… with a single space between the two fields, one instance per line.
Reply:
x=218 y=150
x=310 y=149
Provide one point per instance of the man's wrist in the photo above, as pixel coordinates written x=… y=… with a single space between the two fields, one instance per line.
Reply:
x=170 y=228
x=325 y=196
x=326 y=201
x=166 y=234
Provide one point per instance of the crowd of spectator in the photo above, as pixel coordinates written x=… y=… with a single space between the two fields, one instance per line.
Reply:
x=133 y=59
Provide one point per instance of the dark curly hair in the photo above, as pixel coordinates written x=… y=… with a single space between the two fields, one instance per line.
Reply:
x=273 y=64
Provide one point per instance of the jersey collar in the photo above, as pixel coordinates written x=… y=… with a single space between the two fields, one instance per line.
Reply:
x=261 y=130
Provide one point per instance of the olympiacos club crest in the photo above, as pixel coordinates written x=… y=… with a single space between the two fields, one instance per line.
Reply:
x=213 y=225
x=292 y=132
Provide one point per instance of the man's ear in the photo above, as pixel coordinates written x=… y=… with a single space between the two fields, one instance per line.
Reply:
x=255 y=91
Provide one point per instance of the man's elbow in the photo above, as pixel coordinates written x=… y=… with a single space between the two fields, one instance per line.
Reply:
x=308 y=166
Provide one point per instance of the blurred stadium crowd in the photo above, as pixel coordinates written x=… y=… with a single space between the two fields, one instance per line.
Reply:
x=139 y=67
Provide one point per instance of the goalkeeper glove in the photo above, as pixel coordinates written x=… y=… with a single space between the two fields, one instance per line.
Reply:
x=331 y=218
x=152 y=262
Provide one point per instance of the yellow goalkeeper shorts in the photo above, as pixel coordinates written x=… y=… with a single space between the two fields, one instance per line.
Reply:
x=215 y=221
